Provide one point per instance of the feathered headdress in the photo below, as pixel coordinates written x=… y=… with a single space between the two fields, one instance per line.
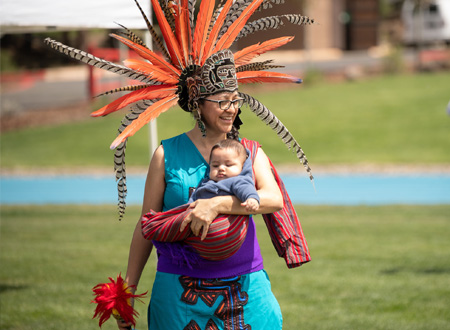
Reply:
x=189 y=47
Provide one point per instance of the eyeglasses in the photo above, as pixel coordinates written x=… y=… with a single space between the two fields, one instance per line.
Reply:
x=226 y=104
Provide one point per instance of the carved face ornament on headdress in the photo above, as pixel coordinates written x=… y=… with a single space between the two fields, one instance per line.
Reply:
x=218 y=74
x=195 y=62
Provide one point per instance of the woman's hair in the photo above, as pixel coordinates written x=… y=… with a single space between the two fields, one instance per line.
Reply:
x=230 y=144
x=233 y=135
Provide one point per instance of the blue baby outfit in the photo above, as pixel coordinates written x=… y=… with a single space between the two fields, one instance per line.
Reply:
x=241 y=186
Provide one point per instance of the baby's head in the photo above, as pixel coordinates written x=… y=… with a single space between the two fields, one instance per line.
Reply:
x=226 y=159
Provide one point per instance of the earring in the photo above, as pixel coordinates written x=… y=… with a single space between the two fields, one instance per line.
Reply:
x=200 y=123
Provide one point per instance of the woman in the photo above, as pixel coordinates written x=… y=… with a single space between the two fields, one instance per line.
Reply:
x=217 y=123
x=195 y=68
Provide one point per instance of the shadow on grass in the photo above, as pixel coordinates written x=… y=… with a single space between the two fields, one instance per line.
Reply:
x=11 y=287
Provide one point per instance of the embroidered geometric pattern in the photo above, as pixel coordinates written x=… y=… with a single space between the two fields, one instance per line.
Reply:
x=230 y=310
x=194 y=326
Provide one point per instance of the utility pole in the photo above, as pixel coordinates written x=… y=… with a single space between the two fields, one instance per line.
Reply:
x=419 y=31
x=153 y=130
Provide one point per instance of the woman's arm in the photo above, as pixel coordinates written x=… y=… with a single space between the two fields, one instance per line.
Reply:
x=206 y=210
x=267 y=187
x=140 y=247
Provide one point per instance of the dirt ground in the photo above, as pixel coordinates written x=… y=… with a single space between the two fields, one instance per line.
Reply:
x=49 y=116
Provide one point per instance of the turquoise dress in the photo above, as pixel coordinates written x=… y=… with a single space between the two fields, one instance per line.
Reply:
x=183 y=171
x=182 y=301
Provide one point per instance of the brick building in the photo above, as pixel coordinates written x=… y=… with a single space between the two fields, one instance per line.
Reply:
x=341 y=24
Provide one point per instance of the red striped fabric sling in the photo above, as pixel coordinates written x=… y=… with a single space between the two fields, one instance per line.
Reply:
x=284 y=226
x=225 y=236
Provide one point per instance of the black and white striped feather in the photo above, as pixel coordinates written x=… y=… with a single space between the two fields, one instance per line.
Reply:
x=273 y=122
x=273 y=22
x=258 y=66
x=119 y=154
x=215 y=15
x=191 y=7
x=96 y=61
x=299 y=19
x=153 y=33
x=236 y=9
x=130 y=35
x=130 y=88
x=168 y=13
x=121 y=177
x=268 y=4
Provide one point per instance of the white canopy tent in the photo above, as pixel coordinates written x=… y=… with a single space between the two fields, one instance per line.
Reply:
x=25 y=16
x=32 y=15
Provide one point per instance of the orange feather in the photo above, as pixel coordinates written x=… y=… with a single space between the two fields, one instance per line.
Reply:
x=153 y=71
x=152 y=92
x=201 y=28
x=171 y=41
x=247 y=77
x=228 y=38
x=215 y=31
x=182 y=25
x=146 y=53
x=245 y=55
x=149 y=114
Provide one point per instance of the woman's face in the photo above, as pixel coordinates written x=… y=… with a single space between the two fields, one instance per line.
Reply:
x=216 y=119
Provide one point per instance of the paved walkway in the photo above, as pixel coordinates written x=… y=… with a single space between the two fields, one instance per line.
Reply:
x=329 y=189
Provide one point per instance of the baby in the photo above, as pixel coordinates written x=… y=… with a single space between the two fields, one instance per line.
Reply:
x=230 y=173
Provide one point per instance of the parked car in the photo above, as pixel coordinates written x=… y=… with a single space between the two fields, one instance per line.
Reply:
x=426 y=24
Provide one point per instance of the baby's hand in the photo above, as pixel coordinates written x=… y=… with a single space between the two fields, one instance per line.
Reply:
x=251 y=205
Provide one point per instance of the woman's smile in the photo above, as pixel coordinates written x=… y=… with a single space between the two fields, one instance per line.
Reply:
x=227 y=118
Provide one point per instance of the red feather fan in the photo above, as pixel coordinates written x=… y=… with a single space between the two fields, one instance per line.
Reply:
x=114 y=298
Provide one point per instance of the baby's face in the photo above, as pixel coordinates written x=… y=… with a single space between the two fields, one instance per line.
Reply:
x=224 y=163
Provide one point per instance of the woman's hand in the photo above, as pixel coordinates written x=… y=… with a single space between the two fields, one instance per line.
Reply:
x=122 y=325
x=203 y=213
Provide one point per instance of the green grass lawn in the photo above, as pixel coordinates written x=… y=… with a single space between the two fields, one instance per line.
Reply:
x=383 y=267
x=388 y=119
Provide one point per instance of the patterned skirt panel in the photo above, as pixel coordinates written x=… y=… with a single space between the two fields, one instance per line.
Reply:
x=243 y=302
